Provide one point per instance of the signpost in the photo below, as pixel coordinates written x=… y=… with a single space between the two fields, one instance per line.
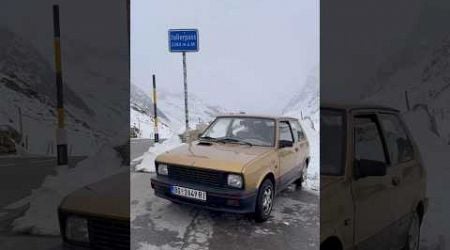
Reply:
x=184 y=40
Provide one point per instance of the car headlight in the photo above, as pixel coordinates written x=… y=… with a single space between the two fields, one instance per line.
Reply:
x=234 y=180
x=162 y=169
x=77 y=229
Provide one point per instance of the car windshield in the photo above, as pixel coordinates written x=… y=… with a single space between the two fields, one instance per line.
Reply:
x=245 y=130
x=332 y=139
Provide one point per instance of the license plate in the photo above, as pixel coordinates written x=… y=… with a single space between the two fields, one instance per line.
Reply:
x=188 y=193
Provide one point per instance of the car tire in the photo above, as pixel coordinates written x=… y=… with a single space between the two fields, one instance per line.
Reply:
x=413 y=241
x=264 y=201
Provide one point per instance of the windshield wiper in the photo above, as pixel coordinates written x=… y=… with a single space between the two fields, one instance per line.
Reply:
x=234 y=140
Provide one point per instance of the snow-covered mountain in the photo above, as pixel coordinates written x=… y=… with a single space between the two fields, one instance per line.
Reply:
x=423 y=79
x=28 y=84
x=170 y=111
x=306 y=101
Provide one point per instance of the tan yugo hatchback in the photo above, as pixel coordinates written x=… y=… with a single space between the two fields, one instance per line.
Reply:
x=238 y=165
x=372 y=180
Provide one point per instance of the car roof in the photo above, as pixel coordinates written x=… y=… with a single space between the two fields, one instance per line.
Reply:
x=356 y=106
x=258 y=116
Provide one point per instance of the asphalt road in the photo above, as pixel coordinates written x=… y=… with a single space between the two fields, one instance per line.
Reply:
x=160 y=224
x=138 y=146
x=18 y=177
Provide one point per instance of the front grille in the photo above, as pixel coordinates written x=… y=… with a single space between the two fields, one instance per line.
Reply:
x=205 y=177
x=109 y=234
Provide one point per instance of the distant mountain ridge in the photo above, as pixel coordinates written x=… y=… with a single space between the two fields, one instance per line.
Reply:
x=170 y=111
x=306 y=102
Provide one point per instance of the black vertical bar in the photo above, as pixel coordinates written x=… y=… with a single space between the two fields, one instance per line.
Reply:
x=56 y=30
x=155 y=110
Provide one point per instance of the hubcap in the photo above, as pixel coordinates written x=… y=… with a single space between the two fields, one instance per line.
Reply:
x=267 y=200
x=413 y=233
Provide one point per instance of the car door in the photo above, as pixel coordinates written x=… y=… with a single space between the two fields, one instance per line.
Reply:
x=301 y=143
x=371 y=194
x=287 y=155
x=404 y=171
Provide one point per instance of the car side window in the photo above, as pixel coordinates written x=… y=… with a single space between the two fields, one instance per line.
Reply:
x=298 y=131
x=286 y=132
x=368 y=144
x=399 y=146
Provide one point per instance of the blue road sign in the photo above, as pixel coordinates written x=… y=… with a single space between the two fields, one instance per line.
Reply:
x=183 y=40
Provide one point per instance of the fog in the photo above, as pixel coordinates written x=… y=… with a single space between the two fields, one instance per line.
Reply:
x=254 y=55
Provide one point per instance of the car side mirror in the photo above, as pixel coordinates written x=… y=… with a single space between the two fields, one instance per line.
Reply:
x=285 y=144
x=365 y=168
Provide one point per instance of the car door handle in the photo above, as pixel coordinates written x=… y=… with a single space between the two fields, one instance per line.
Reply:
x=296 y=149
x=395 y=181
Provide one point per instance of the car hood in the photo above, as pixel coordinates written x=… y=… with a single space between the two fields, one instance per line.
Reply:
x=109 y=197
x=217 y=156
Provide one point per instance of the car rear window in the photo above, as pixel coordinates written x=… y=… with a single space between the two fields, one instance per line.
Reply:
x=332 y=141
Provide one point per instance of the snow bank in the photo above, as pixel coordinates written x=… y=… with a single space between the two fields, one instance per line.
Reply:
x=41 y=217
x=148 y=159
x=313 y=173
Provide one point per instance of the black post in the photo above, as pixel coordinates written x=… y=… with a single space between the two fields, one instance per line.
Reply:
x=155 y=110
x=62 y=158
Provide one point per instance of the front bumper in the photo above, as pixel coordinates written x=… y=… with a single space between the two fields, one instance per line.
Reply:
x=218 y=199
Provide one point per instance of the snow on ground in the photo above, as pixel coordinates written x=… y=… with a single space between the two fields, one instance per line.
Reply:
x=313 y=174
x=148 y=159
x=41 y=217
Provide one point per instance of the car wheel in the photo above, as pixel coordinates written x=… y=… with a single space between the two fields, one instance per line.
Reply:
x=413 y=233
x=264 y=202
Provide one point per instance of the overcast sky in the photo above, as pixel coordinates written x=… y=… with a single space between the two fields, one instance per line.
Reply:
x=254 y=55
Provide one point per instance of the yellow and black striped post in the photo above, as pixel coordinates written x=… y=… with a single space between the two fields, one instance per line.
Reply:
x=61 y=147
x=155 y=110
